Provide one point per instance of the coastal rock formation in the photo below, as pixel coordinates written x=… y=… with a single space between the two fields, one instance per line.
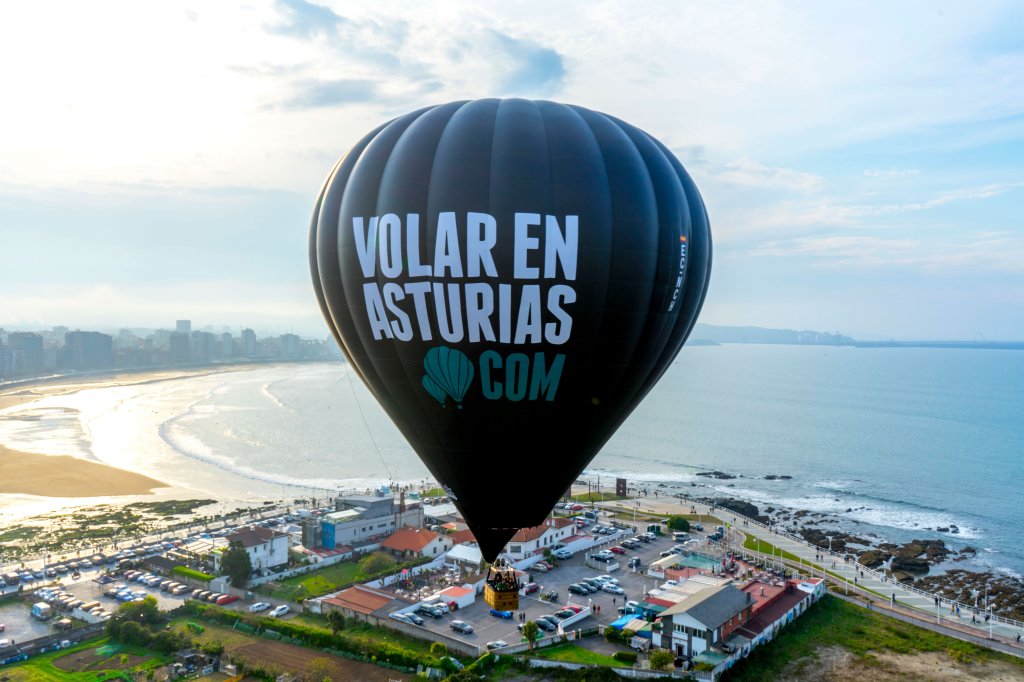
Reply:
x=740 y=507
x=873 y=558
x=716 y=474
x=777 y=477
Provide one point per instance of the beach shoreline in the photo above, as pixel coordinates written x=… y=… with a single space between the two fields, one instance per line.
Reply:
x=62 y=476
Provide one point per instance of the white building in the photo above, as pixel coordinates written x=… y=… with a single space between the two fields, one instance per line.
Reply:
x=267 y=548
x=528 y=541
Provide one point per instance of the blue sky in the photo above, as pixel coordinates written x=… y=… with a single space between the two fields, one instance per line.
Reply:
x=862 y=165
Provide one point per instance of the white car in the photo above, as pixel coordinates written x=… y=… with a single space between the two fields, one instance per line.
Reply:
x=613 y=588
x=562 y=554
x=259 y=606
x=279 y=611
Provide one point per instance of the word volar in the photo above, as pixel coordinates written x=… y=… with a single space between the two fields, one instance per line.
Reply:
x=474 y=311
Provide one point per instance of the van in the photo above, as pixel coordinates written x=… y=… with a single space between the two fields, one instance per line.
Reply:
x=590 y=514
x=679 y=536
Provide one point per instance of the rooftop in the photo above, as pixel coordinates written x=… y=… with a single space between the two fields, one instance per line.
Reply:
x=534 y=532
x=408 y=539
x=359 y=599
x=254 y=535
x=713 y=606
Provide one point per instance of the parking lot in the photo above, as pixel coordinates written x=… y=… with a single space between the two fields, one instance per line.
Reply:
x=487 y=628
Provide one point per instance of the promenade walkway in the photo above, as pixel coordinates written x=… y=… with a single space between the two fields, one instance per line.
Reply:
x=843 y=573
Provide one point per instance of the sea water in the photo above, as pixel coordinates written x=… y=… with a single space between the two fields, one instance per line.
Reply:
x=892 y=443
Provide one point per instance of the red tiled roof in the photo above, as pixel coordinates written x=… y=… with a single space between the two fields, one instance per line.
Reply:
x=455 y=591
x=529 y=534
x=461 y=536
x=764 y=618
x=409 y=539
x=360 y=599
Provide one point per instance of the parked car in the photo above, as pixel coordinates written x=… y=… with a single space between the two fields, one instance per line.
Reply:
x=634 y=562
x=576 y=588
x=462 y=626
x=562 y=554
x=564 y=613
x=501 y=614
x=618 y=550
x=414 y=619
x=259 y=606
x=279 y=611
x=429 y=610
x=545 y=625
x=550 y=619
x=530 y=588
x=613 y=588
x=496 y=644
x=400 y=617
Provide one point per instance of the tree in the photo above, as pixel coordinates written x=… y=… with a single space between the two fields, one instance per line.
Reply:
x=237 y=564
x=531 y=631
x=611 y=634
x=661 y=658
x=145 y=611
x=678 y=523
x=438 y=650
x=336 y=619
x=376 y=563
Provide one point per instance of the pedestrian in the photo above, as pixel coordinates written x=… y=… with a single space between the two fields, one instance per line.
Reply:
x=1018 y=636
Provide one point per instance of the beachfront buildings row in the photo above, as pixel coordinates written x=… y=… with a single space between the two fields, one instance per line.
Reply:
x=28 y=354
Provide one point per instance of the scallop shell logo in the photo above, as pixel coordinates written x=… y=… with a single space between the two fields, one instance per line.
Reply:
x=448 y=373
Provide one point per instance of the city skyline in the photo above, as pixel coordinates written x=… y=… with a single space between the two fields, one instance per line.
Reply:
x=860 y=165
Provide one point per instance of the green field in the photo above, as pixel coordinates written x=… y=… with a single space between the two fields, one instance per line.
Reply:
x=323 y=581
x=833 y=622
x=103 y=661
x=573 y=653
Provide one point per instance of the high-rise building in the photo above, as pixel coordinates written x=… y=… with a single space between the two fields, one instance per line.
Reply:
x=204 y=346
x=88 y=350
x=183 y=326
x=291 y=347
x=248 y=343
x=25 y=354
x=181 y=348
x=227 y=346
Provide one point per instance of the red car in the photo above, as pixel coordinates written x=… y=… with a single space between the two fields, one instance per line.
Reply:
x=530 y=588
x=618 y=550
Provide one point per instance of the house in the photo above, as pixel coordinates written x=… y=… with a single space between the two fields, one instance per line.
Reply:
x=466 y=556
x=359 y=602
x=267 y=548
x=529 y=541
x=421 y=542
x=705 y=619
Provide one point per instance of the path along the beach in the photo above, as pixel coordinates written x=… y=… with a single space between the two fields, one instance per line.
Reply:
x=843 y=573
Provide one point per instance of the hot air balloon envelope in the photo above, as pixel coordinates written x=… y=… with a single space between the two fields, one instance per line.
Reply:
x=509 y=278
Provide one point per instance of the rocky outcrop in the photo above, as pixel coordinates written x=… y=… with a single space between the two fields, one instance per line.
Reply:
x=873 y=558
x=777 y=477
x=716 y=474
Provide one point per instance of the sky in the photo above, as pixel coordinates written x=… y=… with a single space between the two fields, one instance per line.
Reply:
x=862 y=164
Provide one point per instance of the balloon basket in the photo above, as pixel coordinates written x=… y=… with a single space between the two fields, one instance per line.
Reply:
x=501 y=600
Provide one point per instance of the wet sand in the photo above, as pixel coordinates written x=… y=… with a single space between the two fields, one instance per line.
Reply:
x=63 y=476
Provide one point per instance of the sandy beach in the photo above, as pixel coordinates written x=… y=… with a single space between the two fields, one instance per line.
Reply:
x=64 y=476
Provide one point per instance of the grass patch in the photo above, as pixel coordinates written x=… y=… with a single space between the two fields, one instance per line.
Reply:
x=573 y=653
x=434 y=492
x=834 y=622
x=192 y=573
x=324 y=581
x=752 y=544
x=598 y=497
x=42 y=669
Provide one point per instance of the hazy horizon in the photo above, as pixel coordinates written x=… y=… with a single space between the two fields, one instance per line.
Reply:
x=860 y=164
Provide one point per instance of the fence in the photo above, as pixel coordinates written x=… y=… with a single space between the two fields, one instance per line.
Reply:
x=40 y=645
x=632 y=673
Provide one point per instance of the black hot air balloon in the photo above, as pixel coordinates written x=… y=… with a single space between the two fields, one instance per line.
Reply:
x=509 y=278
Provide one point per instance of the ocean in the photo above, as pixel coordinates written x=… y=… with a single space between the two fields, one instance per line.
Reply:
x=892 y=443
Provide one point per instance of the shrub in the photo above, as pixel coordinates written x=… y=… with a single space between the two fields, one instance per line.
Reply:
x=661 y=658
x=625 y=656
